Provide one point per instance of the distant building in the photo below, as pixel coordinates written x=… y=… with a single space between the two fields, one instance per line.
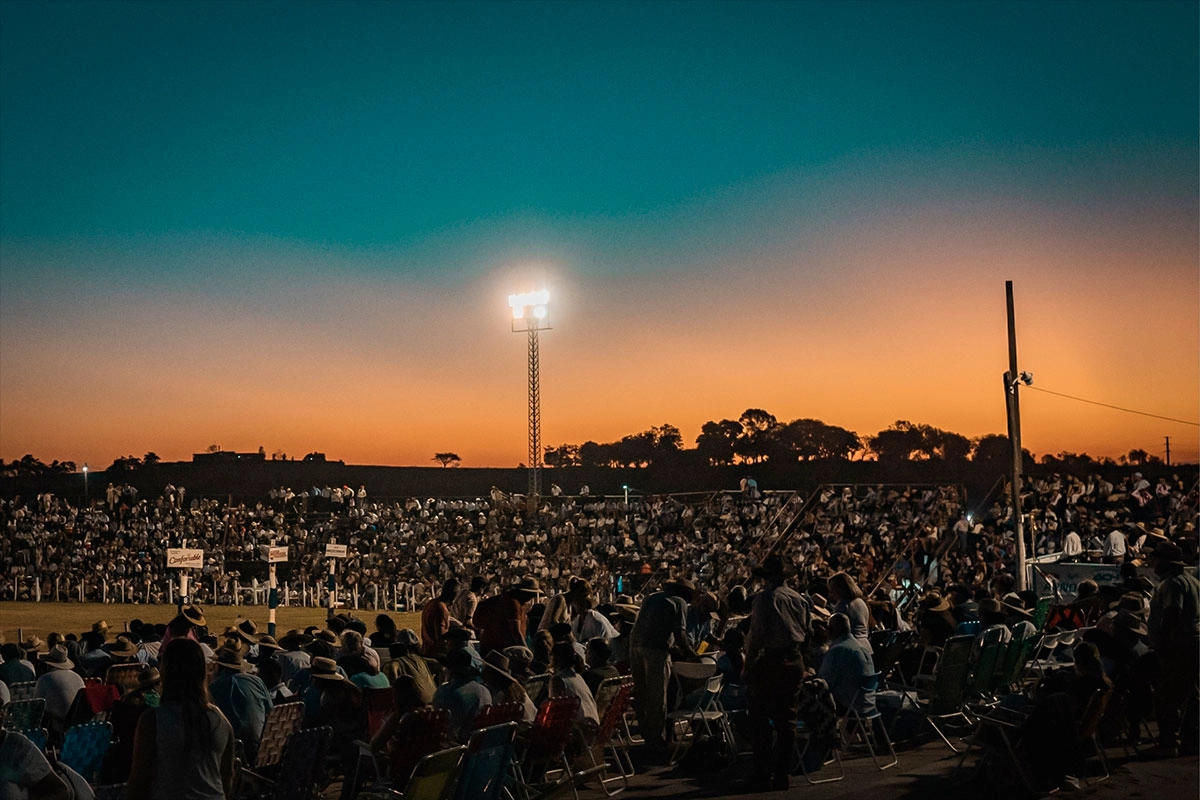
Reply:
x=227 y=457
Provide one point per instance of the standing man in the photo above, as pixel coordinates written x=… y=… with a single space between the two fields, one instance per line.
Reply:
x=500 y=621
x=774 y=670
x=435 y=619
x=1175 y=637
x=661 y=622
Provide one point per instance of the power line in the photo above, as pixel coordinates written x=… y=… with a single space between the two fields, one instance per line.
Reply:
x=1118 y=408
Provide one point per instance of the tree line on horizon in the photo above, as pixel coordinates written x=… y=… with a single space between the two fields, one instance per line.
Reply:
x=755 y=437
x=758 y=437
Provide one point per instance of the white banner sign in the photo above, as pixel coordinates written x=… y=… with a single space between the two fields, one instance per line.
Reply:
x=273 y=555
x=336 y=551
x=181 y=558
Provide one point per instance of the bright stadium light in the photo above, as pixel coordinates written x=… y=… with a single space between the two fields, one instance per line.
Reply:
x=529 y=316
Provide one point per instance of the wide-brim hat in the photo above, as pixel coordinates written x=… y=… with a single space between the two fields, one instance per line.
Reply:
x=325 y=669
x=1170 y=552
x=295 y=638
x=497 y=662
x=1131 y=622
x=100 y=627
x=247 y=630
x=267 y=642
x=33 y=644
x=773 y=566
x=57 y=658
x=149 y=677
x=195 y=615
x=820 y=607
x=122 y=648
x=528 y=587
x=935 y=601
x=627 y=611
x=682 y=587
x=520 y=654
x=458 y=633
x=229 y=658
x=408 y=637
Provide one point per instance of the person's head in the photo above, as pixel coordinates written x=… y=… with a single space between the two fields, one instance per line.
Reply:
x=358 y=662
x=1086 y=588
x=11 y=651
x=352 y=642
x=405 y=694
x=839 y=627
x=184 y=672
x=598 y=652
x=477 y=584
x=271 y=672
x=564 y=656
x=449 y=590
x=385 y=624
x=843 y=588
x=542 y=642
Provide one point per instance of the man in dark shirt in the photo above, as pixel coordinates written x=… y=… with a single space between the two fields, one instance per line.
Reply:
x=661 y=623
x=774 y=670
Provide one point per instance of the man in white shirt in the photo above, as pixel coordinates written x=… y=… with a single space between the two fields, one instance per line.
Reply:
x=1072 y=546
x=1114 y=547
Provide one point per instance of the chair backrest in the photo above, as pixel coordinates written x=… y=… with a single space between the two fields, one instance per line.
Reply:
x=498 y=714
x=1041 y=611
x=24 y=714
x=417 y=734
x=22 y=690
x=892 y=650
x=123 y=676
x=984 y=675
x=950 y=680
x=485 y=765
x=100 y=695
x=1016 y=656
x=302 y=763
x=551 y=728
x=379 y=704
x=84 y=748
x=435 y=775
x=1093 y=712
x=614 y=712
x=282 y=721
x=115 y=791
x=606 y=691
x=538 y=687
x=35 y=735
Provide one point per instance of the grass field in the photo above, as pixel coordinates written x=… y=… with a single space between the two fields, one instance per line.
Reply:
x=25 y=619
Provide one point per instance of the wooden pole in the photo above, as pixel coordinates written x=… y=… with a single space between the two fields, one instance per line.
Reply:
x=1011 y=381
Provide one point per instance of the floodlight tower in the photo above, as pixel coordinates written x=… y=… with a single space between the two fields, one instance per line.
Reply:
x=530 y=316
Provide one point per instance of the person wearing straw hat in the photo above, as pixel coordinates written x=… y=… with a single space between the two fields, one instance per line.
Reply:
x=1174 y=629
x=504 y=687
x=60 y=685
x=463 y=695
x=242 y=697
x=501 y=621
x=293 y=659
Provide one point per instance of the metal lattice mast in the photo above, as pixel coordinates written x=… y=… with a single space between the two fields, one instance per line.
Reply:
x=535 y=420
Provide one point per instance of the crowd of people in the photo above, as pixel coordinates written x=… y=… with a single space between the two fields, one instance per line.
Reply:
x=789 y=591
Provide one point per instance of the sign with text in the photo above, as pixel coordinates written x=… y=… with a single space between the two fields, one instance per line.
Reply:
x=184 y=558
x=272 y=554
x=336 y=551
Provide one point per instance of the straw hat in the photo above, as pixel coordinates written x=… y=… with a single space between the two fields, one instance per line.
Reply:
x=247 y=630
x=148 y=678
x=499 y=663
x=325 y=669
x=195 y=615
x=33 y=644
x=267 y=642
x=934 y=601
x=294 y=638
x=122 y=648
x=57 y=658
x=230 y=658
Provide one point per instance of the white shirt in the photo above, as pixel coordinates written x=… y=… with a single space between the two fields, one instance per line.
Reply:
x=1114 y=544
x=1072 y=545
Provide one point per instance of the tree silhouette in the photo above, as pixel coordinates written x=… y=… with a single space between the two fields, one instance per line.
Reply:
x=811 y=439
x=150 y=458
x=447 y=459
x=717 y=440
x=757 y=438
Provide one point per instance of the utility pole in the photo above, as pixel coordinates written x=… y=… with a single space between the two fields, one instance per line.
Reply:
x=1168 y=438
x=1012 y=403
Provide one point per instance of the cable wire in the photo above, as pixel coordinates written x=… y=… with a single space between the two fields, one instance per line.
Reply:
x=1118 y=408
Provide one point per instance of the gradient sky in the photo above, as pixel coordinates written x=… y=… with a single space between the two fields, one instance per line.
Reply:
x=294 y=225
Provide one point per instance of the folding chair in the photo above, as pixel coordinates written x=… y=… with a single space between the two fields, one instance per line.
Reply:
x=84 y=748
x=379 y=704
x=498 y=714
x=609 y=742
x=686 y=723
x=124 y=719
x=25 y=714
x=982 y=682
x=486 y=763
x=544 y=750
x=418 y=733
x=22 y=690
x=949 y=683
x=100 y=695
x=867 y=724
x=538 y=688
x=818 y=721
x=302 y=765
x=282 y=722
x=35 y=735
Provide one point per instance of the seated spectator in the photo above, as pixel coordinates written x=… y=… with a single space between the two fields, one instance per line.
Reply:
x=463 y=694
x=15 y=668
x=243 y=699
x=599 y=666
x=271 y=673
x=406 y=660
x=566 y=680
x=60 y=685
x=405 y=698
x=25 y=772
x=846 y=665
x=503 y=686
x=935 y=622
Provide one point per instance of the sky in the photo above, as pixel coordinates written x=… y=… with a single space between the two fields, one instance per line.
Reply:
x=295 y=225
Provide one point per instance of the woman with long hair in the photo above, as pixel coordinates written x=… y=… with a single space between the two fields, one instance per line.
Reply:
x=183 y=750
x=848 y=599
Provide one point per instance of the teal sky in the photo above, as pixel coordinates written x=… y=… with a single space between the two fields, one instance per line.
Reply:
x=184 y=157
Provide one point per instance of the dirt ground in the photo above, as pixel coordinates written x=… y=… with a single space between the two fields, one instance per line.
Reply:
x=20 y=620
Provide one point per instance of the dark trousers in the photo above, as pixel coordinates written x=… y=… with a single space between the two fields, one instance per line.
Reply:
x=1175 y=697
x=774 y=689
